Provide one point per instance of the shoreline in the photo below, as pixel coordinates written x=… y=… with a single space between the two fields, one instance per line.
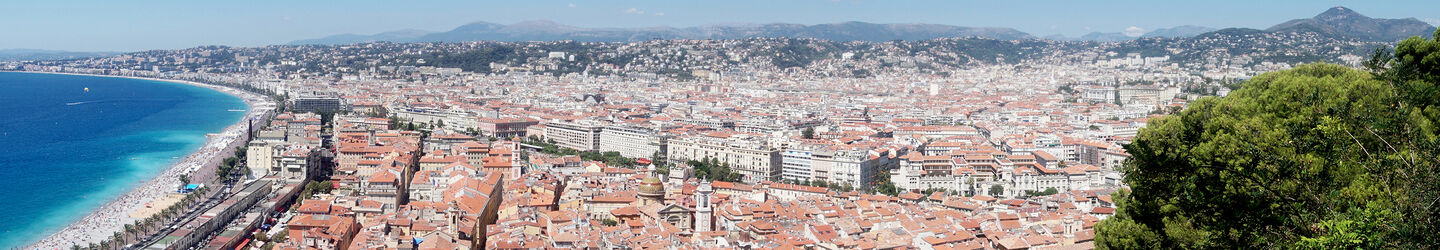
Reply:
x=111 y=217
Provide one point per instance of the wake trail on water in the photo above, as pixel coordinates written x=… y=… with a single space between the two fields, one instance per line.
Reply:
x=115 y=100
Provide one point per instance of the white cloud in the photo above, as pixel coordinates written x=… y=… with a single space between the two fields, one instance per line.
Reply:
x=1134 y=31
x=659 y=13
x=572 y=5
x=634 y=11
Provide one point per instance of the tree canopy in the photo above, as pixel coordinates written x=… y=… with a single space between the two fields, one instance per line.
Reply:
x=713 y=169
x=1319 y=156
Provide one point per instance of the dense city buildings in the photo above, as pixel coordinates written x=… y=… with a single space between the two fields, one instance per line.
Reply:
x=695 y=143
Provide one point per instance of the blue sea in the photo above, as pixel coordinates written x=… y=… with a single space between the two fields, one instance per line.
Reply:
x=65 y=151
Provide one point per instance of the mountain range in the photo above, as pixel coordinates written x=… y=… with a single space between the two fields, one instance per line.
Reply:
x=1177 y=31
x=1345 y=22
x=37 y=54
x=548 y=31
x=1339 y=22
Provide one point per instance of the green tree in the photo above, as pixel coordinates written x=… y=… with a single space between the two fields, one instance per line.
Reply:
x=1122 y=232
x=884 y=186
x=130 y=230
x=1047 y=191
x=997 y=190
x=808 y=133
x=713 y=169
x=1320 y=156
x=1117 y=96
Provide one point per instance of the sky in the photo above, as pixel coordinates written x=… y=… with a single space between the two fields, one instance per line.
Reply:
x=135 y=25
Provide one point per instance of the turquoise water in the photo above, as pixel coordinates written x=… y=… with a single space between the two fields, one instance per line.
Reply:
x=65 y=151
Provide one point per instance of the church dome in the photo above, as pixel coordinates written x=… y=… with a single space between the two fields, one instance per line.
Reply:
x=651 y=186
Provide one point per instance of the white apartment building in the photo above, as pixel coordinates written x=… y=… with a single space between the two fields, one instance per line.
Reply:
x=260 y=157
x=761 y=126
x=974 y=174
x=1028 y=177
x=796 y=165
x=749 y=156
x=294 y=164
x=631 y=141
x=1097 y=93
x=583 y=135
x=1147 y=95
x=936 y=132
x=1111 y=129
x=921 y=172
x=837 y=164
x=453 y=119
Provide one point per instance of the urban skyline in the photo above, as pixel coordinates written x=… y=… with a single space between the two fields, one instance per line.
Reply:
x=1313 y=131
x=88 y=26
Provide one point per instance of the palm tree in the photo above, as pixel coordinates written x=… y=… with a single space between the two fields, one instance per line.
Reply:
x=117 y=239
x=130 y=231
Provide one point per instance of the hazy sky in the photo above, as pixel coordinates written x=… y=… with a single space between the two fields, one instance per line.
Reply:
x=111 y=25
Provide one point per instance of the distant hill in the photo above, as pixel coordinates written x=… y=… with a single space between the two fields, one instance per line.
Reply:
x=1183 y=31
x=1230 y=32
x=392 y=36
x=1179 y=31
x=1344 y=22
x=1094 y=37
x=1106 y=37
x=550 y=31
x=36 y=54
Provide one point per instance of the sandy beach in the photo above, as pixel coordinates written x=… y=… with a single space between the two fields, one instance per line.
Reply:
x=112 y=217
